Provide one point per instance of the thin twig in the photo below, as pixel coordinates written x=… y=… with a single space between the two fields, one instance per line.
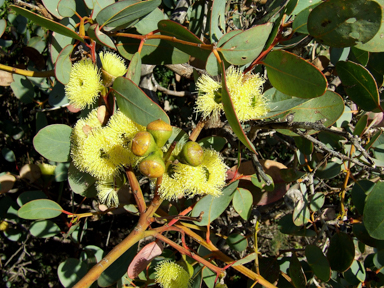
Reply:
x=260 y=170
x=318 y=126
x=169 y=92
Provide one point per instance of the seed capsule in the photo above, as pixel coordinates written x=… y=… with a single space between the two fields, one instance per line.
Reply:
x=160 y=130
x=143 y=144
x=192 y=154
x=152 y=166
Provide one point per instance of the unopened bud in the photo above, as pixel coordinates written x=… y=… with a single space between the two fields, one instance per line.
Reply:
x=192 y=154
x=143 y=144
x=160 y=130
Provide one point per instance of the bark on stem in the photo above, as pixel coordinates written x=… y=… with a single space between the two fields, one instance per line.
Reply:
x=137 y=234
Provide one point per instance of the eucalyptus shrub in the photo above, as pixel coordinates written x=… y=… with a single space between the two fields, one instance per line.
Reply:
x=301 y=75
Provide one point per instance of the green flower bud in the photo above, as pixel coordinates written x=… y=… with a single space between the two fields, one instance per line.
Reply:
x=192 y=154
x=160 y=130
x=143 y=144
x=152 y=166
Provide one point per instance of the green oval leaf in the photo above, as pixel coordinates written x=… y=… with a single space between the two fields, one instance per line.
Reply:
x=71 y=271
x=44 y=229
x=317 y=201
x=296 y=272
x=154 y=51
x=237 y=242
x=135 y=104
x=362 y=235
x=66 y=8
x=49 y=24
x=359 y=84
x=102 y=39
x=341 y=252
x=299 y=25
x=217 y=20
x=3 y=25
x=230 y=113
x=214 y=206
x=242 y=202
x=171 y=28
x=213 y=142
x=376 y=44
x=359 y=193
x=149 y=22
x=124 y=14
x=260 y=183
x=98 y=5
x=301 y=214
x=28 y=196
x=134 y=69
x=23 y=88
x=374 y=212
x=328 y=107
x=356 y=273
x=318 y=262
x=51 y=6
x=81 y=183
x=278 y=102
x=63 y=65
x=40 y=209
x=246 y=46
x=53 y=142
x=61 y=172
x=294 y=76
x=361 y=125
x=359 y=56
x=8 y=155
x=342 y=23
x=59 y=41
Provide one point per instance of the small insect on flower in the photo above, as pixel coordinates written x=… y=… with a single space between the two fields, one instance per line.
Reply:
x=95 y=154
x=84 y=84
x=245 y=91
x=171 y=275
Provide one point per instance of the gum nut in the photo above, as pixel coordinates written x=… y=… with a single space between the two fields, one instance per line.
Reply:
x=160 y=130
x=143 y=144
x=192 y=153
x=152 y=166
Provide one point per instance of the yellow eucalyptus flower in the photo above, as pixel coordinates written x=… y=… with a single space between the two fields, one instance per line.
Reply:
x=80 y=133
x=108 y=191
x=120 y=151
x=84 y=84
x=171 y=275
x=245 y=91
x=124 y=126
x=103 y=151
x=94 y=155
x=113 y=64
x=183 y=180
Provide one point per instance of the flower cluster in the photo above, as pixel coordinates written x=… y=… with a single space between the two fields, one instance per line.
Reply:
x=84 y=84
x=85 y=81
x=182 y=180
x=102 y=151
x=245 y=91
x=171 y=275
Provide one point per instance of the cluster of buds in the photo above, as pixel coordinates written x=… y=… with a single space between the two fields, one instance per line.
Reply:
x=148 y=144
